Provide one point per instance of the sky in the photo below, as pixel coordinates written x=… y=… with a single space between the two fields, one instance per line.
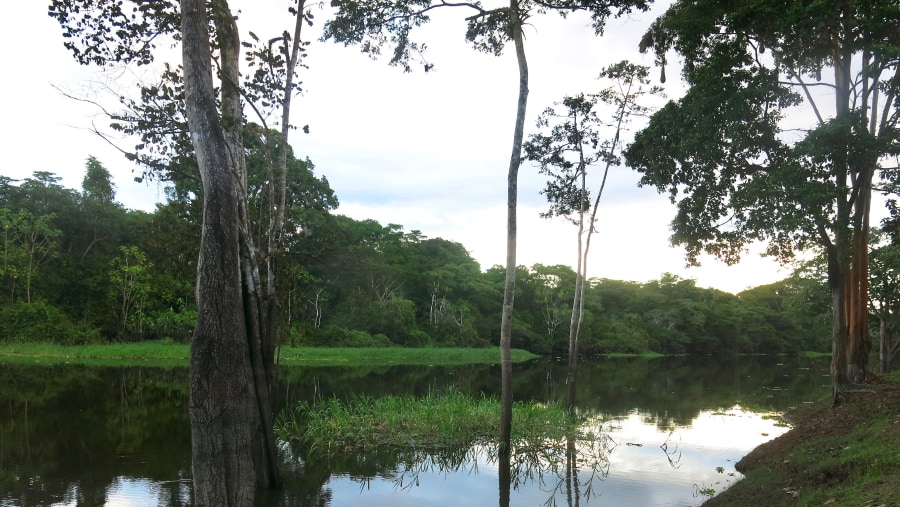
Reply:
x=429 y=151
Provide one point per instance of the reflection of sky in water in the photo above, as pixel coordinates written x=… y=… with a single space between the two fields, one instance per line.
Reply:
x=642 y=474
x=148 y=463
x=125 y=492
x=661 y=467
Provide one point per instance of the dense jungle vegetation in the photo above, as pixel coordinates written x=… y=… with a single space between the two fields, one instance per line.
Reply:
x=78 y=267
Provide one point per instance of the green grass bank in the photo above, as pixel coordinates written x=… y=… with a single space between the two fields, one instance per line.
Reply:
x=174 y=354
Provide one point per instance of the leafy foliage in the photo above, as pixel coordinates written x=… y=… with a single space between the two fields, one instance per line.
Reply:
x=376 y=24
x=362 y=284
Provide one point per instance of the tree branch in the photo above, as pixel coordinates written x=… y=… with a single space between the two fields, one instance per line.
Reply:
x=793 y=74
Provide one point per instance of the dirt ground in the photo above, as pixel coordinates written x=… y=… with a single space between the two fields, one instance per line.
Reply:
x=778 y=480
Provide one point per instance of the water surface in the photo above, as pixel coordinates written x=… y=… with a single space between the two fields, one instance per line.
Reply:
x=668 y=432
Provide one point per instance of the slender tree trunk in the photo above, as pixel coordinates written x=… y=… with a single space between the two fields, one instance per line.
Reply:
x=577 y=303
x=232 y=439
x=509 y=287
x=276 y=219
x=573 y=495
x=885 y=354
x=504 y=475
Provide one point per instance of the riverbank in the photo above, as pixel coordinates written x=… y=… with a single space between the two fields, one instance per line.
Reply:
x=175 y=354
x=848 y=455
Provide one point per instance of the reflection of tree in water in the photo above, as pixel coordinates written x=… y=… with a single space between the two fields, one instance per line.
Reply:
x=568 y=467
x=670 y=448
x=71 y=434
x=590 y=455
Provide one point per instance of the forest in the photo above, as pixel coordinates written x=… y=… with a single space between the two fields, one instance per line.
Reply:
x=785 y=137
x=78 y=267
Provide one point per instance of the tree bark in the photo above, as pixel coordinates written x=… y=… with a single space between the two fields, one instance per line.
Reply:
x=232 y=440
x=849 y=257
x=577 y=301
x=509 y=286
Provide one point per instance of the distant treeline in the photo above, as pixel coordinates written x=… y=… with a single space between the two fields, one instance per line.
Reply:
x=77 y=267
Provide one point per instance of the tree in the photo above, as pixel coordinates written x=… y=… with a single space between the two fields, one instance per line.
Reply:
x=374 y=24
x=29 y=241
x=575 y=143
x=731 y=158
x=232 y=353
x=885 y=295
x=97 y=184
x=130 y=277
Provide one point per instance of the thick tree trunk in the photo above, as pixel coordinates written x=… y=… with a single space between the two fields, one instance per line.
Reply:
x=232 y=439
x=849 y=257
x=509 y=288
x=858 y=344
x=839 y=341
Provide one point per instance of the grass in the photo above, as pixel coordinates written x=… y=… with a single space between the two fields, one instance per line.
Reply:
x=448 y=420
x=624 y=355
x=167 y=354
x=813 y=354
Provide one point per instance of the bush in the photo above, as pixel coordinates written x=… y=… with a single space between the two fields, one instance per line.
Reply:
x=178 y=326
x=524 y=338
x=418 y=338
x=334 y=336
x=40 y=322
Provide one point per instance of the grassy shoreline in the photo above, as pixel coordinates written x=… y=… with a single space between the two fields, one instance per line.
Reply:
x=174 y=354
x=844 y=455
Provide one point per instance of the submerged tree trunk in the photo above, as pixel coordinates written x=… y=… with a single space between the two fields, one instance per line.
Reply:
x=509 y=286
x=232 y=440
x=504 y=475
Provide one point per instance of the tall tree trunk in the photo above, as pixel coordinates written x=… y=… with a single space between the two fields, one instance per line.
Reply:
x=849 y=257
x=509 y=286
x=232 y=440
x=858 y=344
x=277 y=202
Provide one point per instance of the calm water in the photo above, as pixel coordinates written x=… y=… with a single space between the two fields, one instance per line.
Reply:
x=668 y=431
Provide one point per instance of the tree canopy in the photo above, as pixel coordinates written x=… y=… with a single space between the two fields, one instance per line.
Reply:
x=741 y=170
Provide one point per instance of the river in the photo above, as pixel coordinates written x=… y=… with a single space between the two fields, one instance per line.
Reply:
x=668 y=432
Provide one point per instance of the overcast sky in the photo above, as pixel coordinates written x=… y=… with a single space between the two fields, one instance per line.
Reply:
x=428 y=151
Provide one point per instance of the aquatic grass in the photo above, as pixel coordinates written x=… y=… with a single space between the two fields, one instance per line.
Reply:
x=449 y=420
x=812 y=354
x=150 y=353
x=649 y=354
x=396 y=355
x=166 y=353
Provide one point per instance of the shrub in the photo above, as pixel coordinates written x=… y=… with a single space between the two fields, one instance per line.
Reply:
x=40 y=322
x=176 y=325
x=334 y=336
x=418 y=338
